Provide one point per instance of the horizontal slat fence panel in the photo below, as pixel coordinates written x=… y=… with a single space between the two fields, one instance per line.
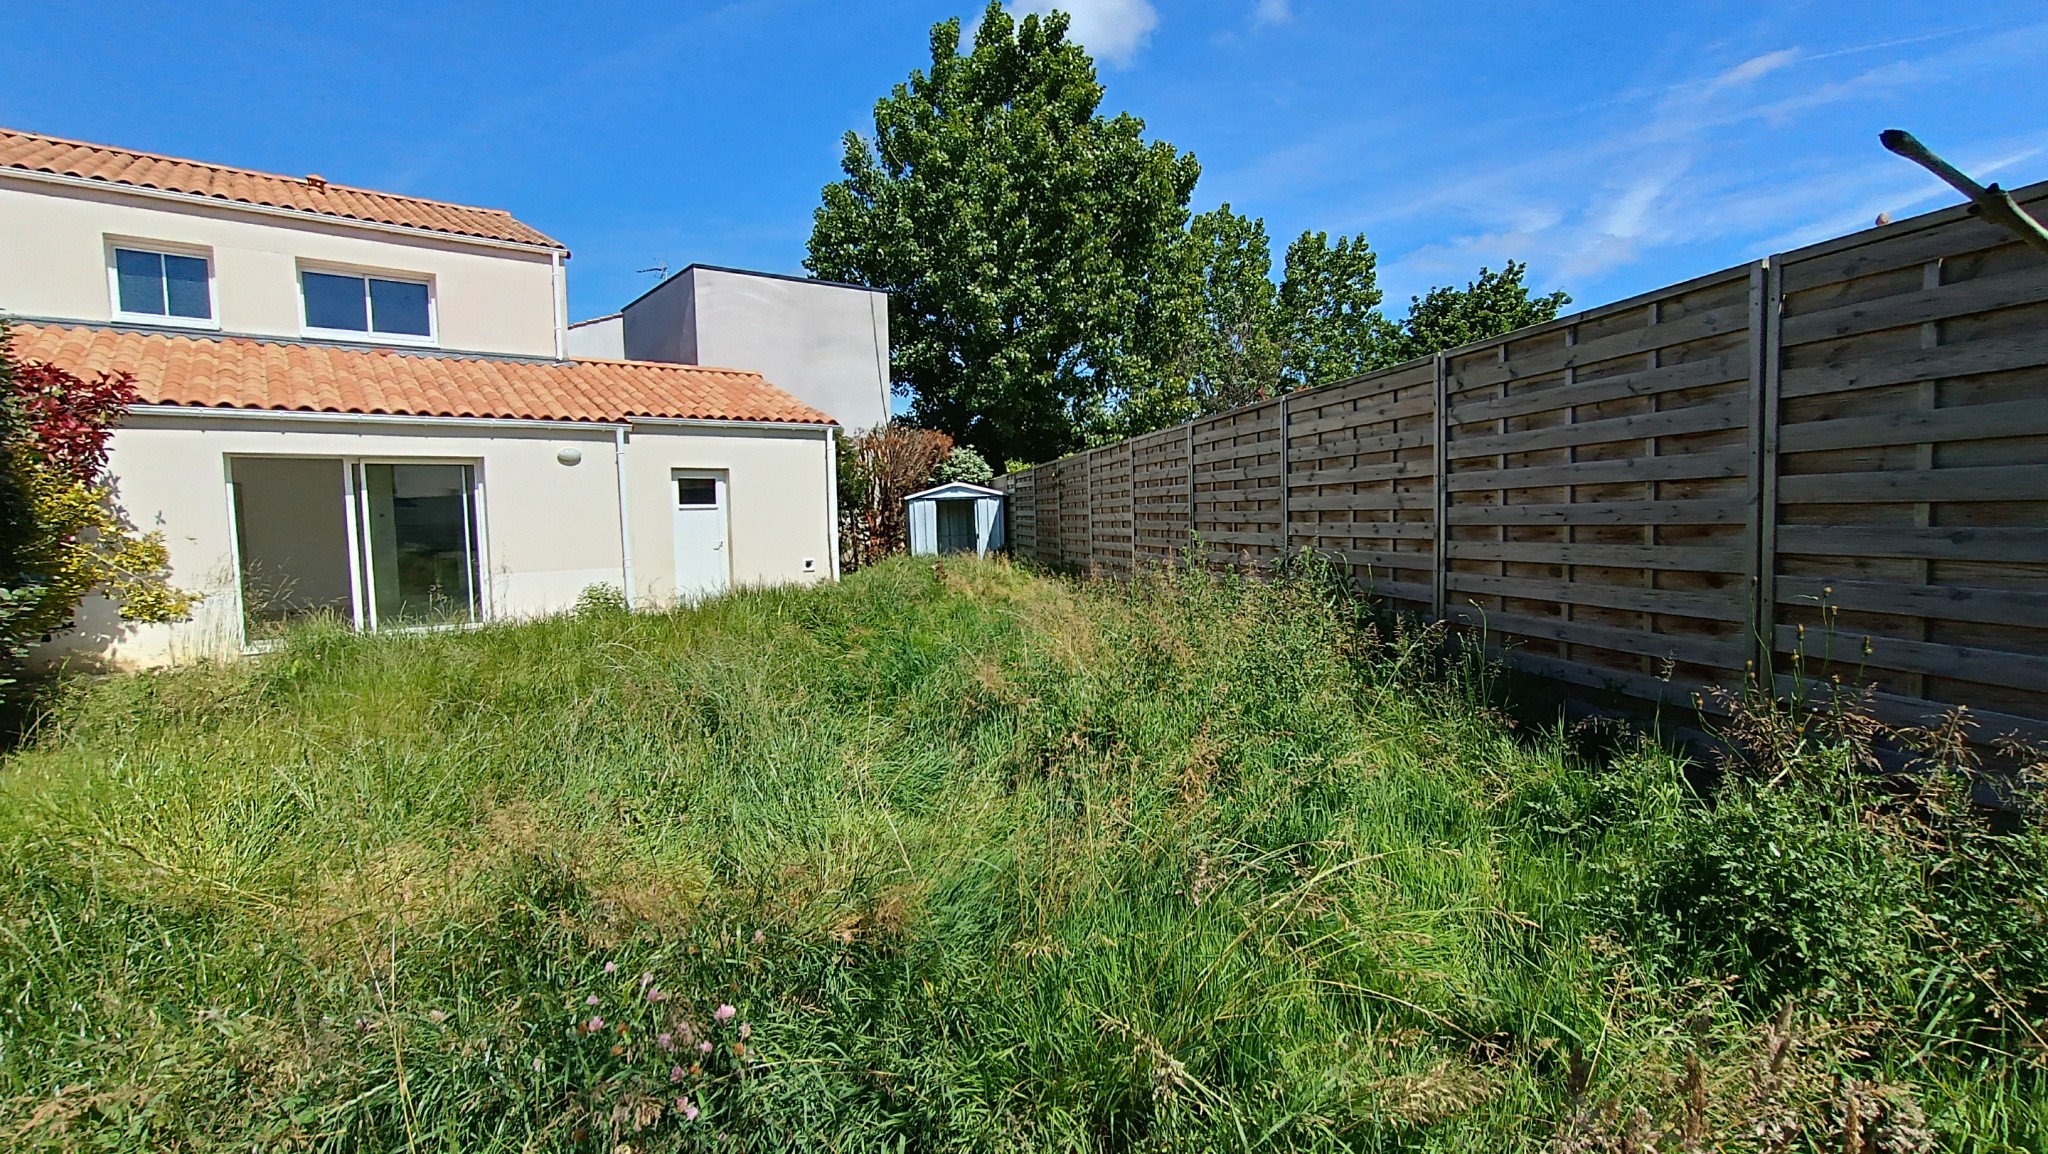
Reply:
x=1161 y=495
x=1563 y=426
x=1832 y=464
x=1910 y=485
x=1361 y=479
x=1109 y=510
x=1237 y=484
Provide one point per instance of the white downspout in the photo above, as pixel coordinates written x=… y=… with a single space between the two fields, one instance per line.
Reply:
x=625 y=522
x=561 y=292
x=832 y=491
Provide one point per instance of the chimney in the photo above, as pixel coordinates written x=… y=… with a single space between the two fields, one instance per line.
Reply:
x=315 y=180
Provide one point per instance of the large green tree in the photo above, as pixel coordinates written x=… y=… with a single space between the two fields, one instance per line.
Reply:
x=1031 y=245
x=1328 y=310
x=1446 y=317
x=1234 y=353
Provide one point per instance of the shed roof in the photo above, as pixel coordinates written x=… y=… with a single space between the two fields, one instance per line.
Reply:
x=954 y=489
x=209 y=371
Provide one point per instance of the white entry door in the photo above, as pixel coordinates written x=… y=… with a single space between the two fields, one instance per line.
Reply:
x=703 y=560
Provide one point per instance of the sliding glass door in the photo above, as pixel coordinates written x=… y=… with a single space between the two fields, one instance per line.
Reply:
x=382 y=544
x=418 y=540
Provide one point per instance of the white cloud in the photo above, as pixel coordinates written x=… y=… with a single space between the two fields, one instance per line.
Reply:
x=1114 y=30
x=1674 y=177
x=1270 y=12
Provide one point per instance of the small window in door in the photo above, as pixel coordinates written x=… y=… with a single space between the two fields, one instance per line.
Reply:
x=696 y=492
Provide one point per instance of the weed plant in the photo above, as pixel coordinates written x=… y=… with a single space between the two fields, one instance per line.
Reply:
x=958 y=857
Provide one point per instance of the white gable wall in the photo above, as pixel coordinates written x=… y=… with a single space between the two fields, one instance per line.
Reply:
x=54 y=241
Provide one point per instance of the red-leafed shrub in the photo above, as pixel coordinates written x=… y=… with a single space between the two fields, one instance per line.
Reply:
x=61 y=534
x=877 y=469
x=67 y=419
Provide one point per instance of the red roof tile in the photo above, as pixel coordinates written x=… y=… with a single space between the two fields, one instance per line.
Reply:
x=33 y=153
x=244 y=373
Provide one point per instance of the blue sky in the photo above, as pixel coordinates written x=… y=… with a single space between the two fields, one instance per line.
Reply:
x=1614 y=146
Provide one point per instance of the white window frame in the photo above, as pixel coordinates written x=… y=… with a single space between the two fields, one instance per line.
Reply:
x=370 y=336
x=161 y=248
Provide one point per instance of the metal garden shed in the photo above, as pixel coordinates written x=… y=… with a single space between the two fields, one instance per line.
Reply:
x=956 y=517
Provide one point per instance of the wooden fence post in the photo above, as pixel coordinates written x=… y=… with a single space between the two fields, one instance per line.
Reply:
x=1438 y=563
x=1758 y=545
x=1766 y=439
x=1285 y=521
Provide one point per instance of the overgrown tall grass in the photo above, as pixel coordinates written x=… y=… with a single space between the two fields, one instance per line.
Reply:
x=977 y=860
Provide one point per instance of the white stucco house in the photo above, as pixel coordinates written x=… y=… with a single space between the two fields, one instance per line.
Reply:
x=364 y=405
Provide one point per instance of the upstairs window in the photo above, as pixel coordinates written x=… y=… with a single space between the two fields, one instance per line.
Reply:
x=343 y=302
x=162 y=284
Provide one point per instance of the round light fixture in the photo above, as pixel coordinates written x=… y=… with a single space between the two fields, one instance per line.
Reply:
x=570 y=456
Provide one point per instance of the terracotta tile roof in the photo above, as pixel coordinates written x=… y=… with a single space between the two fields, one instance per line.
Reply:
x=32 y=153
x=246 y=373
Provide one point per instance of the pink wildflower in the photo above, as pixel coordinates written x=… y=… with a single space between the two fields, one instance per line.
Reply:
x=596 y=1024
x=611 y=967
x=724 y=1013
x=665 y=1041
x=675 y=1073
x=656 y=996
x=746 y=1031
x=704 y=1047
x=759 y=937
x=689 y=1112
x=591 y=1000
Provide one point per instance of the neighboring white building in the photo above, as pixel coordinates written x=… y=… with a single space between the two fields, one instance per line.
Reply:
x=363 y=405
x=826 y=343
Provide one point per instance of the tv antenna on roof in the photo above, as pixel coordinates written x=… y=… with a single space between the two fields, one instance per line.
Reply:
x=660 y=268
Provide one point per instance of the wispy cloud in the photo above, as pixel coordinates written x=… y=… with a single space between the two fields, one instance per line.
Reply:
x=1671 y=171
x=1114 y=30
x=1271 y=12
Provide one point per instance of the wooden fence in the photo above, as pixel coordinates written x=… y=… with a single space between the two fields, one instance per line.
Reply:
x=1829 y=464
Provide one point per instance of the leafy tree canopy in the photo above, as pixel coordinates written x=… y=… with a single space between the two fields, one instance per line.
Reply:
x=1446 y=317
x=1030 y=244
x=1048 y=288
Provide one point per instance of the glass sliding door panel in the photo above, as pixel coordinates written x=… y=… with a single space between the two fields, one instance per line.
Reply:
x=419 y=544
x=291 y=534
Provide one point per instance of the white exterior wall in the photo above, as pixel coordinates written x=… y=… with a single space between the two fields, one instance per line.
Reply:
x=602 y=339
x=548 y=530
x=825 y=344
x=779 y=492
x=54 y=254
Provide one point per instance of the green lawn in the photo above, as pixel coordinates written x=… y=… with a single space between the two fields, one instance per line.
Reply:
x=980 y=860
